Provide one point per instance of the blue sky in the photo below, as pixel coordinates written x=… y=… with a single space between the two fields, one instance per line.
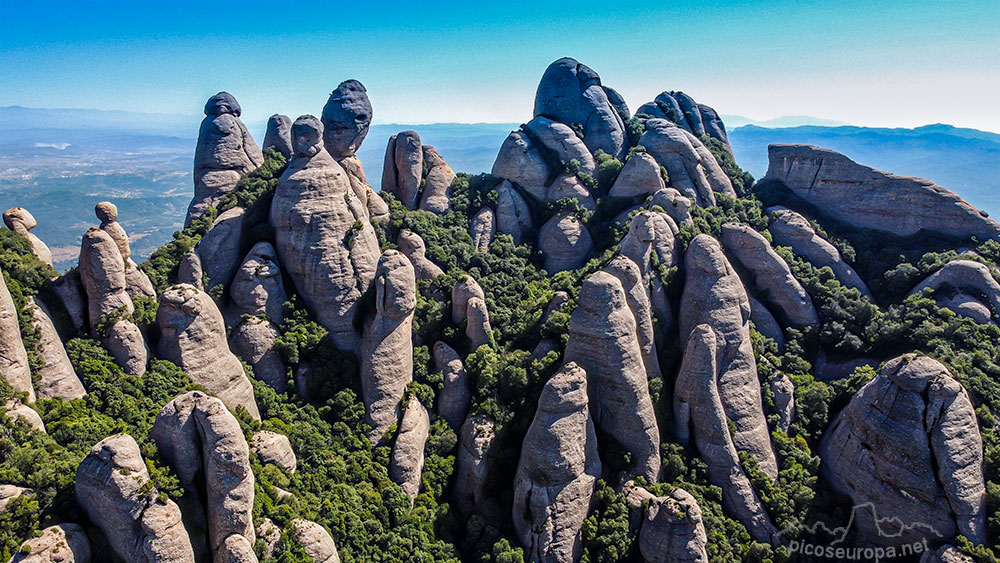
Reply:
x=877 y=63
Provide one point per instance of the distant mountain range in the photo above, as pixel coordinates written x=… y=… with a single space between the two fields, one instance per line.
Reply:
x=60 y=162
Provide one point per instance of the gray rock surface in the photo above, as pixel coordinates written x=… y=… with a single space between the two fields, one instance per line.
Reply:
x=14 y=409
x=671 y=529
x=257 y=288
x=769 y=275
x=219 y=249
x=136 y=282
x=571 y=93
x=69 y=290
x=567 y=186
x=464 y=290
x=387 y=352
x=945 y=554
x=413 y=247
x=477 y=324
x=10 y=492
x=436 y=196
x=674 y=204
x=455 y=396
x=700 y=414
x=254 y=341
x=275 y=449
x=482 y=228
x=407 y=459
x=651 y=240
x=691 y=167
x=639 y=177
x=102 y=272
x=565 y=243
x=14 y=366
x=325 y=245
x=618 y=102
x=561 y=141
x=279 y=135
x=376 y=207
x=193 y=336
x=472 y=466
x=604 y=343
x=863 y=197
x=316 y=541
x=224 y=152
x=637 y=297
x=62 y=543
x=714 y=296
x=784 y=399
x=270 y=535
x=790 y=229
x=968 y=275
x=19 y=220
x=558 y=470
x=346 y=117
x=513 y=214
x=114 y=490
x=404 y=163
x=189 y=270
x=966 y=306
x=56 y=379
x=520 y=162
x=909 y=442
x=765 y=323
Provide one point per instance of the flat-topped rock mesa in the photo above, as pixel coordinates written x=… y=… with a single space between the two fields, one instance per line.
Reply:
x=909 y=441
x=323 y=239
x=224 y=152
x=863 y=197
x=680 y=108
x=19 y=220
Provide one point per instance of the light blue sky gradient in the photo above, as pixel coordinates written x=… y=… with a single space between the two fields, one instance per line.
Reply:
x=893 y=63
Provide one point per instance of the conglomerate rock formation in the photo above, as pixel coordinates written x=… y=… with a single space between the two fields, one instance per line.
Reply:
x=19 y=220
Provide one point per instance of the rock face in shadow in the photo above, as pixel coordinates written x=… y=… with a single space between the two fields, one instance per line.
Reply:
x=114 y=490
x=387 y=353
x=513 y=213
x=219 y=249
x=571 y=93
x=769 y=275
x=404 y=163
x=558 y=470
x=477 y=324
x=482 y=228
x=714 y=296
x=62 y=543
x=193 y=336
x=603 y=342
x=279 y=135
x=790 y=229
x=691 y=167
x=346 y=117
x=969 y=278
x=323 y=240
x=257 y=290
x=56 y=378
x=671 y=528
x=863 y=197
x=636 y=296
x=137 y=283
x=681 y=109
x=102 y=272
x=203 y=443
x=69 y=290
x=21 y=222
x=565 y=243
x=909 y=442
x=436 y=196
x=651 y=241
x=224 y=152
x=455 y=396
x=316 y=541
x=408 y=452
x=14 y=366
x=784 y=399
x=475 y=443
x=700 y=414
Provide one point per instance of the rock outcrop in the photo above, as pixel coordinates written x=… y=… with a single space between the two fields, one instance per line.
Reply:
x=324 y=243
x=102 y=272
x=114 y=490
x=316 y=541
x=189 y=270
x=513 y=214
x=14 y=367
x=571 y=93
x=673 y=204
x=387 y=352
x=15 y=409
x=690 y=166
x=700 y=413
x=455 y=396
x=203 y=443
x=137 y=283
x=651 y=242
x=671 y=528
x=278 y=135
x=765 y=323
x=637 y=297
x=10 y=492
x=863 y=197
x=62 y=543
x=519 y=161
x=477 y=324
x=21 y=222
x=603 y=342
x=558 y=470
x=56 y=378
x=404 y=163
x=769 y=275
x=475 y=443
x=69 y=290
x=437 y=179
x=790 y=229
x=969 y=278
x=784 y=399
x=346 y=118
x=714 y=296
x=407 y=459
x=909 y=442
x=565 y=243
x=219 y=249
x=193 y=336
x=461 y=293
x=413 y=247
x=681 y=109
x=561 y=142
x=639 y=177
x=275 y=449
x=482 y=228
x=224 y=152
x=258 y=290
